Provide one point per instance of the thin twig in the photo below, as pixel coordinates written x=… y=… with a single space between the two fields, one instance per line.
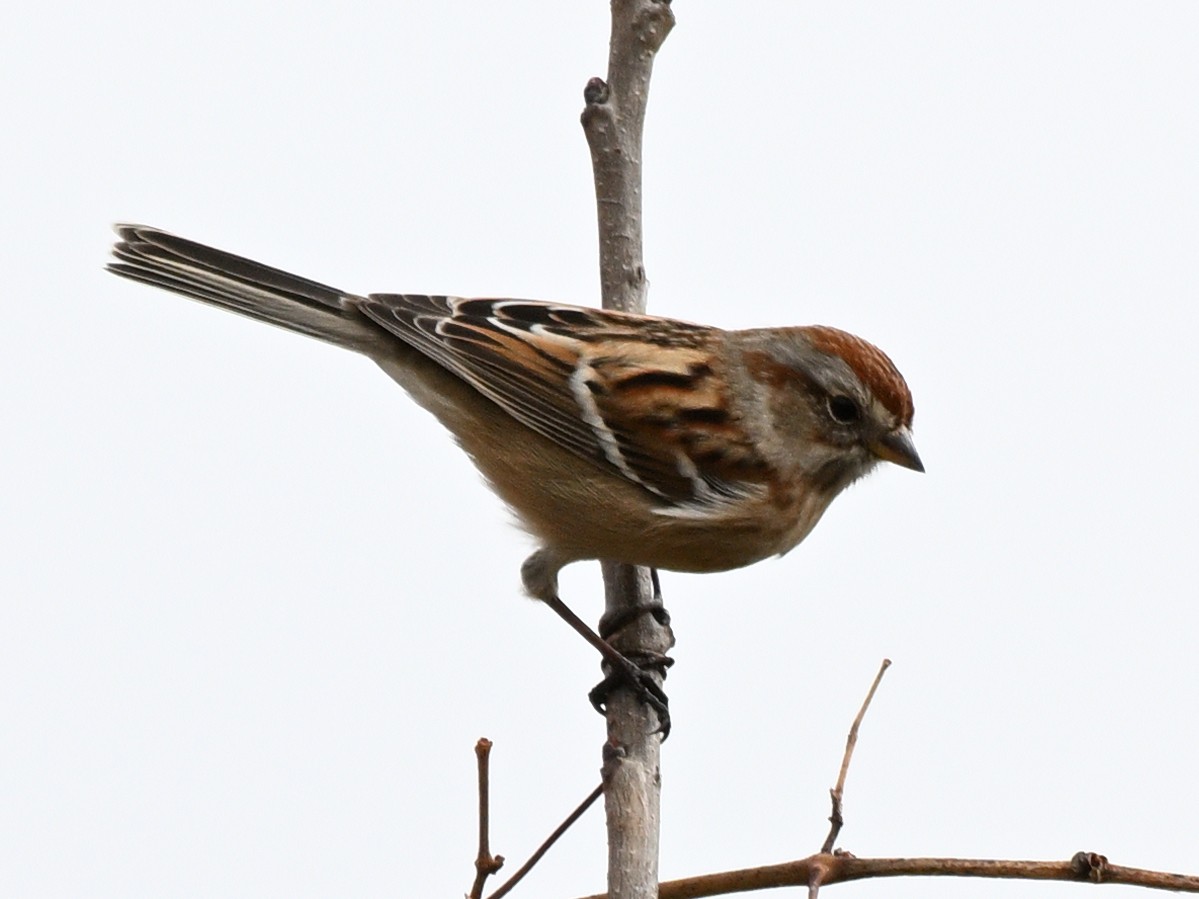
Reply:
x=485 y=863
x=838 y=792
x=524 y=869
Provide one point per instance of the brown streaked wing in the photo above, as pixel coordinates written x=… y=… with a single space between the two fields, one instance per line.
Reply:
x=669 y=409
x=530 y=382
x=628 y=391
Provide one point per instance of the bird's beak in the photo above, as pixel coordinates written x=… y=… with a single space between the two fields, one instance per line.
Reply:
x=897 y=447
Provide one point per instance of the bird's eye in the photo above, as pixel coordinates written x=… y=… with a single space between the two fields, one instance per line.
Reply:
x=844 y=409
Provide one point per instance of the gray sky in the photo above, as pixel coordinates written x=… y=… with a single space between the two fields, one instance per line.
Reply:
x=255 y=608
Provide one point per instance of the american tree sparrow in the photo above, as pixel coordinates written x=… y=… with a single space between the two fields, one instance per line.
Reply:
x=612 y=436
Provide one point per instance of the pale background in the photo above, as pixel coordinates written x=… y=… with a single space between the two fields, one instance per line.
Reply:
x=256 y=608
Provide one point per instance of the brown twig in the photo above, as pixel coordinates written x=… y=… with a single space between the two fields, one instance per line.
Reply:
x=1084 y=867
x=485 y=863
x=837 y=793
x=524 y=869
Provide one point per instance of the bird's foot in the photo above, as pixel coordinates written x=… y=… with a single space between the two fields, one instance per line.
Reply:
x=640 y=676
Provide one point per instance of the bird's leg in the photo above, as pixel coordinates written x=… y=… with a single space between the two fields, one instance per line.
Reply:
x=611 y=624
x=540 y=576
x=624 y=672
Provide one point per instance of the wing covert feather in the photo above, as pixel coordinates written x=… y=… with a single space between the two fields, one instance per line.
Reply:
x=641 y=394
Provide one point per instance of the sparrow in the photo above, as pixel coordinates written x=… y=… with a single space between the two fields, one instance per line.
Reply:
x=613 y=436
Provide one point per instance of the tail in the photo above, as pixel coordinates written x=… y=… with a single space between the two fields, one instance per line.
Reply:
x=247 y=287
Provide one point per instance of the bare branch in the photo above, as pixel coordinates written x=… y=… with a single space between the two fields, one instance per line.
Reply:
x=485 y=863
x=541 y=850
x=613 y=119
x=838 y=792
x=1085 y=867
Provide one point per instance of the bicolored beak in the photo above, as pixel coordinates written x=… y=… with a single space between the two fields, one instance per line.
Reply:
x=897 y=447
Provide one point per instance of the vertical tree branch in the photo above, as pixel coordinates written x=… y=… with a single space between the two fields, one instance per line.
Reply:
x=612 y=120
x=486 y=864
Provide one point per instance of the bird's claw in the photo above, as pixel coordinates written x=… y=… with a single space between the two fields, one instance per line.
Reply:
x=640 y=678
